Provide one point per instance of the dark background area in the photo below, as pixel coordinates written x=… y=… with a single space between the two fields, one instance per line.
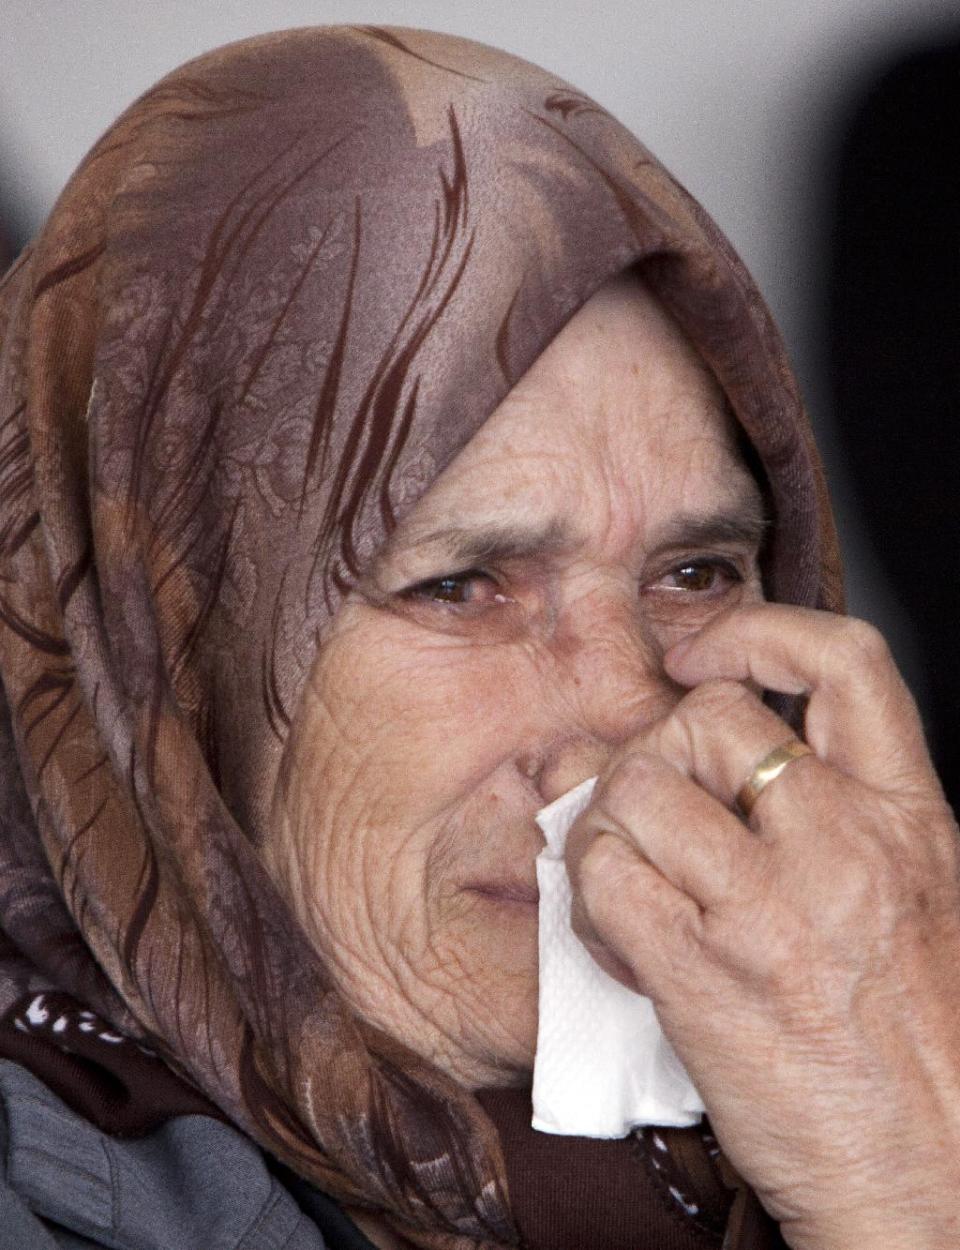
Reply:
x=892 y=336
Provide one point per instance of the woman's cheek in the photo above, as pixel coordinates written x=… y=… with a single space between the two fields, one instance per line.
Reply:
x=417 y=705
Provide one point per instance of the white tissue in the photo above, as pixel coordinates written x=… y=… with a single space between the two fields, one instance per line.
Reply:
x=603 y=1065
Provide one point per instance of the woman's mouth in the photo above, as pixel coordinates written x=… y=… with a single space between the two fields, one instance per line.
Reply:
x=519 y=893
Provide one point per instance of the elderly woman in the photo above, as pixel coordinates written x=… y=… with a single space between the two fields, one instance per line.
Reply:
x=388 y=444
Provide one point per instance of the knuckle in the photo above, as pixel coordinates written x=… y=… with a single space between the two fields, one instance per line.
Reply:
x=599 y=863
x=713 y=698
x=631 y=769
x=859 y=647
x=690 y=730
x=780 y=967
x=865 y=894
x=603 y=875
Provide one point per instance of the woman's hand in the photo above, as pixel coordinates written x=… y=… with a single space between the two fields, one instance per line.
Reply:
x=805 y=966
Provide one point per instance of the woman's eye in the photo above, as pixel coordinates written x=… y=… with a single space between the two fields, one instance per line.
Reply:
x=472 y=588
x=699 y=577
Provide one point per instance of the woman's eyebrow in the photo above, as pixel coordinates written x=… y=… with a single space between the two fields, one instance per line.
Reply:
x=742 y=524
x=463 y=545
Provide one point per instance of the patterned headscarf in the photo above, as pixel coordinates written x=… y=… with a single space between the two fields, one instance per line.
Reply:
x=275 y=300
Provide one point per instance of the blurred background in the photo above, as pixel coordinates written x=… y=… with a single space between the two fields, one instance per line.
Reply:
x=822 y=136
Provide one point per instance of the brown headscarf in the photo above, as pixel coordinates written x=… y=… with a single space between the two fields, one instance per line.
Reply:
x=275 y=300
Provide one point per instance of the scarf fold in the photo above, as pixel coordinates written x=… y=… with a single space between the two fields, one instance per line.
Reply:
x=278 y=296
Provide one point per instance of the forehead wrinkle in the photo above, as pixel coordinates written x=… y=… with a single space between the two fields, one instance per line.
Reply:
x=737 y=517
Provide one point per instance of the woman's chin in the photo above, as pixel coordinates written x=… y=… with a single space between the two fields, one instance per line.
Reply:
x=508 y=1064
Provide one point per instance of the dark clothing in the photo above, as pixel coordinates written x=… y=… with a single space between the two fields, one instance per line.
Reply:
x=194 y=1183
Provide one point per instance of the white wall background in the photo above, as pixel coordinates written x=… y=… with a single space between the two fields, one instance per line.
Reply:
x=738 y=97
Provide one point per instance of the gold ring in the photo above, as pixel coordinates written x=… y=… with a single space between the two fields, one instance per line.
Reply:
x=769 y=769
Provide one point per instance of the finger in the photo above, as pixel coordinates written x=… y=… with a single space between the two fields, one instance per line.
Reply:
x=583 y=927
x=639 y=927
x=671 y=823
x=860 y=715
x=719 y=733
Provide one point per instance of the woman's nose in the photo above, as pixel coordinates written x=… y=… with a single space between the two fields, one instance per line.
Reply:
x=609 y=685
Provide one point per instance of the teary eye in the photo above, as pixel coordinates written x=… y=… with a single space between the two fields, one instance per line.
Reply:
x=472 y=588
x=699 y=577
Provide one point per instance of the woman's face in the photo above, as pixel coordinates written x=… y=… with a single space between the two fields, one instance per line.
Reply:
x=507 y=641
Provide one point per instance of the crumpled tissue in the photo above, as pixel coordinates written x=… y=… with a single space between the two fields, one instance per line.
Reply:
x=603 y=1065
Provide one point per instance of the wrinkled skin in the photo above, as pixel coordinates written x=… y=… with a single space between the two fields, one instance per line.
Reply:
x=806 y=965
x=441 y=715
